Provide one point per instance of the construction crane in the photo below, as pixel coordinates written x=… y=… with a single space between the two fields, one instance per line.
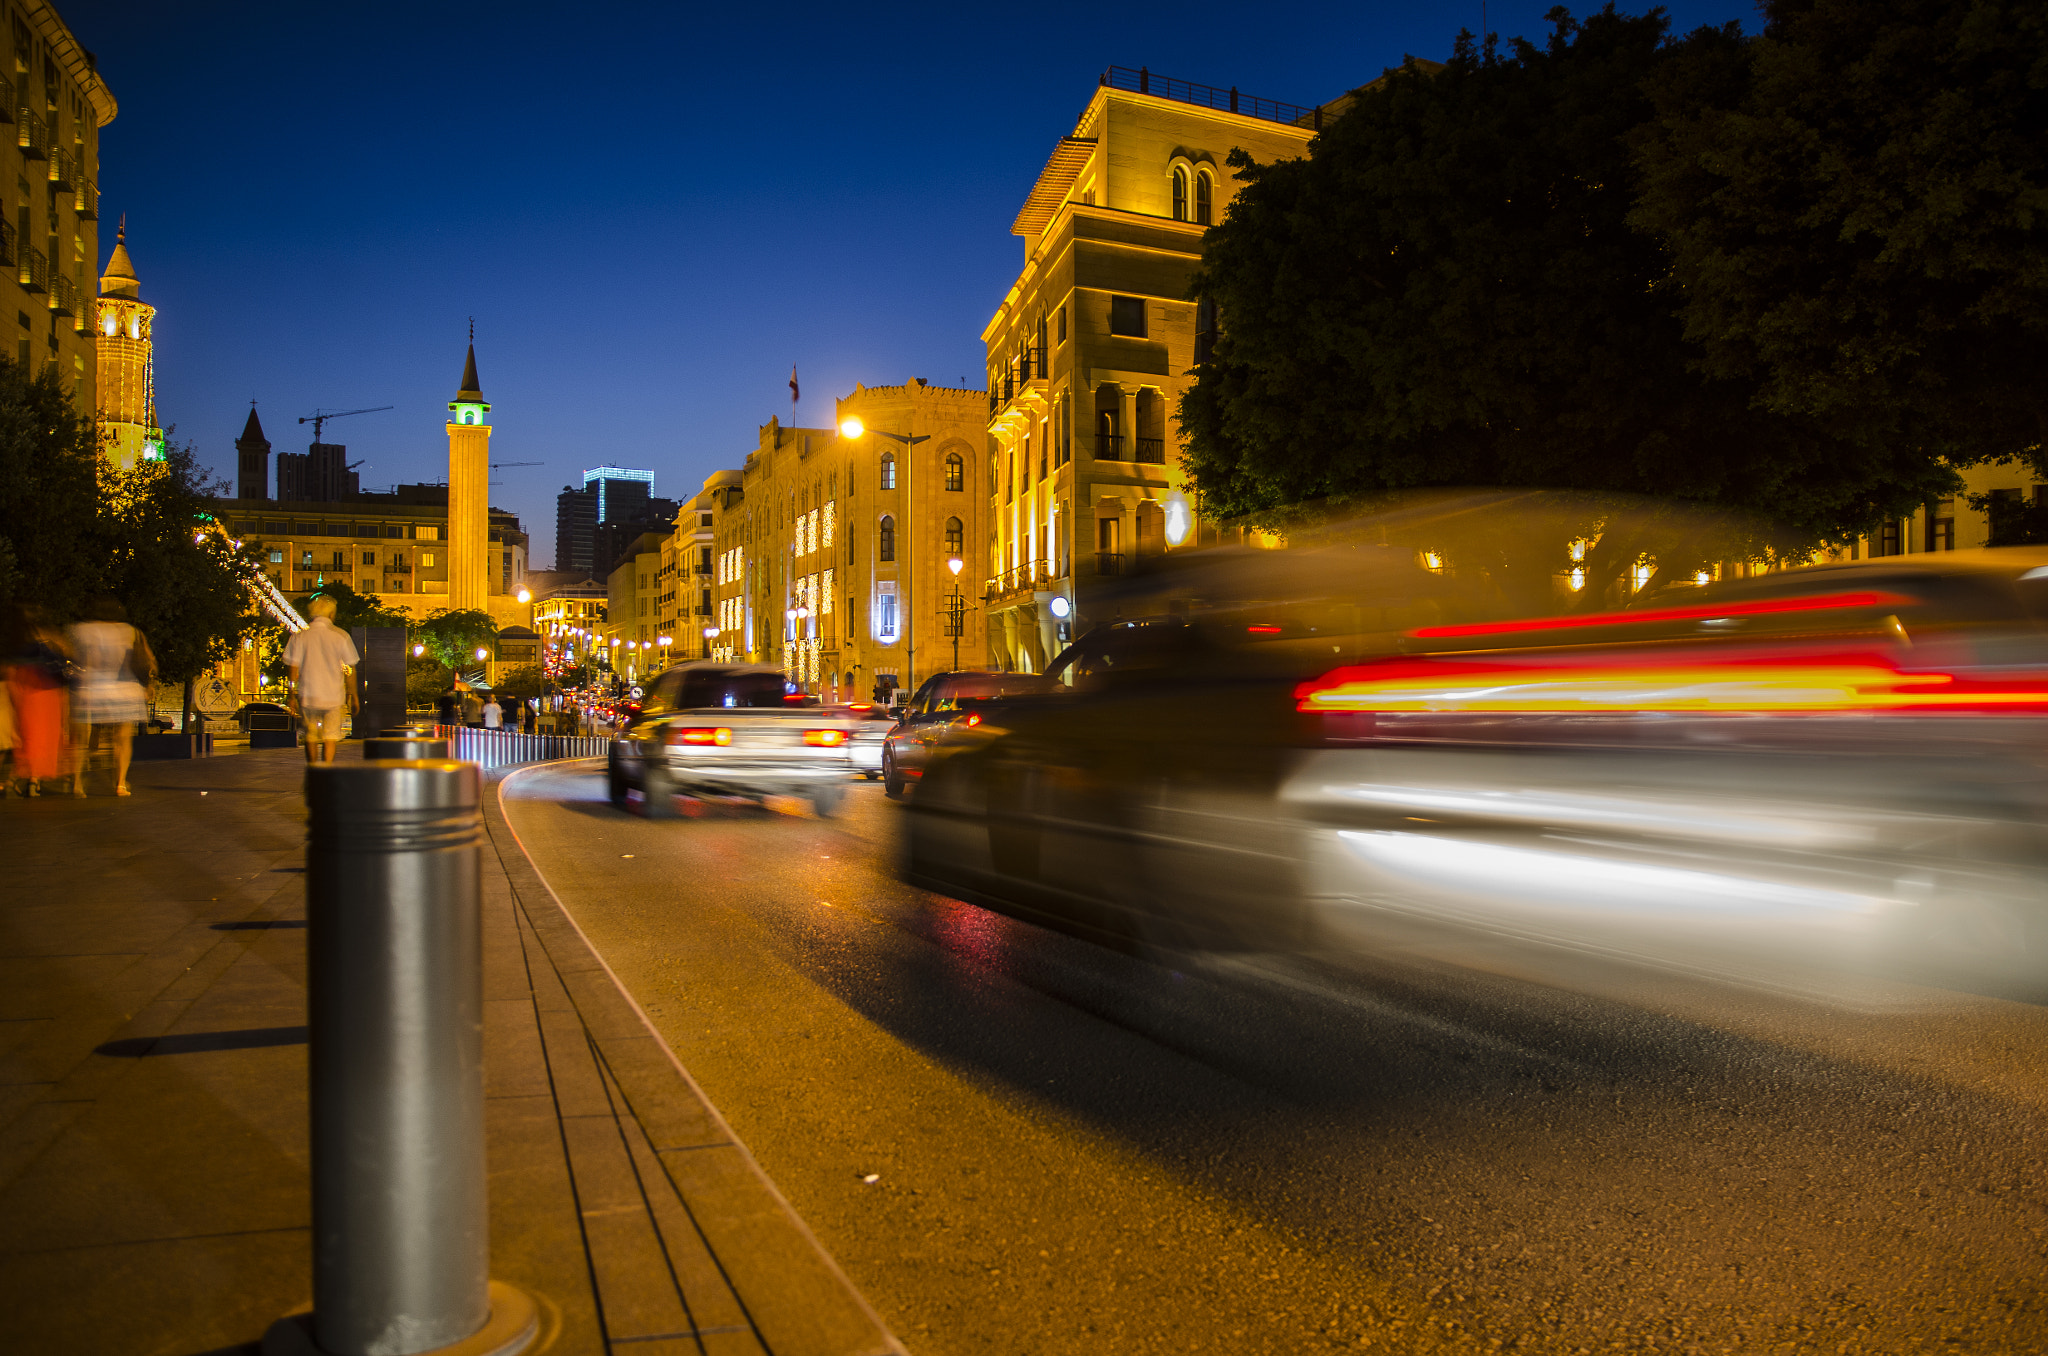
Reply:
x=318 y=418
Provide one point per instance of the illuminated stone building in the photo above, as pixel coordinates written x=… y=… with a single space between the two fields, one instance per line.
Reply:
x=829 y=554
x=126 y=392
x=49 y=239
x=1093 y=345
x=630 y=622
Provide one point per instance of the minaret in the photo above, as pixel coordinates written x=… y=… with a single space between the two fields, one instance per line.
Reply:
x=469 y=493
x=252 y=449
x=127 y=378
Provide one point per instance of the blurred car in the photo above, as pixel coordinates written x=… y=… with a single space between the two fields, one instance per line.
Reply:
x=713 y=729
x=871 y=732
x=943 y=700
x=1842 y=767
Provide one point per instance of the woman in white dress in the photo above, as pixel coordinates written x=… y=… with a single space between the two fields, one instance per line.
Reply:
x=115 y=674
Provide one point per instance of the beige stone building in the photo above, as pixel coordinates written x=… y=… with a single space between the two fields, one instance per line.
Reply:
x=49 y=232
x=830 y=550
x=1092 y=347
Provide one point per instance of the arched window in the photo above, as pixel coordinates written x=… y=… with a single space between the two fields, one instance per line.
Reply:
x=956 y=471
x=1180 y=194
x=885 y=539
x=469 y=416
x=888 y=471
x=1205 y=193
x=956 y=536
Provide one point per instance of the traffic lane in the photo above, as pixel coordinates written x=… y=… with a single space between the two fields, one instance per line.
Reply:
x=1382 y=1135
x=994 y=1224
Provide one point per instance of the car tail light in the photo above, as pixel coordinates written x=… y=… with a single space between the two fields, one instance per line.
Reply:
x=974 y=719
x=825 y=739
x=1262 y=630
x=700 y=734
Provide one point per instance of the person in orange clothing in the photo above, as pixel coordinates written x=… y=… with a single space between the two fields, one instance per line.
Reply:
x=38 y=664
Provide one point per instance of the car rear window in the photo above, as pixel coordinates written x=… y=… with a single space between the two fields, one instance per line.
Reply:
x=731 y=689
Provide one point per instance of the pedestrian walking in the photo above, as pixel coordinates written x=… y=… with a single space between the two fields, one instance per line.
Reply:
x=110 y=695
x=494 y=714
x=38 y=672
x=322 y=694
x=472 y=709
x=448 y=710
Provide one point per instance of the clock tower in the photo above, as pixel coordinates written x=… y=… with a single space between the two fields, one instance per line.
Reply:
x=469 y=493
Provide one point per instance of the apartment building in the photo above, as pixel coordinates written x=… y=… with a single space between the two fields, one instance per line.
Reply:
x=831 y=551
x=1095 y=341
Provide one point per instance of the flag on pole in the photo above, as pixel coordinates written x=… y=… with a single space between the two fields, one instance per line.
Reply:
x=792 y=386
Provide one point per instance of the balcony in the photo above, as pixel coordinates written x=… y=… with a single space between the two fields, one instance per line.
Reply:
x=1109 y=447
x=62 y=171
x=1109 y=562
x=1018 y=579
x=63 y=295
x=32 y=134
x=7 y=255
x=88 y=202
x=6 y=100
x=701 y=569
x=1152 y=450
x=701 y=610
x=398 y=568
x=35 y=270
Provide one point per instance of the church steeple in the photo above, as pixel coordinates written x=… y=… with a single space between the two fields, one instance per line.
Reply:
x=253 y=457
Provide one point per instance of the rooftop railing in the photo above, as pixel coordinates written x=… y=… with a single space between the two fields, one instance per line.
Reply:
x=1143 y=81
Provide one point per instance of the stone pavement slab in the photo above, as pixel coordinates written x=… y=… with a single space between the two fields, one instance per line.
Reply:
x=154 y=1164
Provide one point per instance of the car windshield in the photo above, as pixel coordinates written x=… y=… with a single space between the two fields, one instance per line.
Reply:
x=708 y=689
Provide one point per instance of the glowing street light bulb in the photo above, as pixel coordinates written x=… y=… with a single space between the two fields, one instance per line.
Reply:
x=852 y=427
x=710 y=633
x=954 y=563
x=482 y=653
x=418 y=650
x=525 y=595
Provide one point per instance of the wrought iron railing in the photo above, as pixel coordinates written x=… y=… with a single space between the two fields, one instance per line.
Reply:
x=63 y=295
x=1151 y=450
x=88 y=202
x=1142 y=81
x=32 y=134
x=1109 y=446
x=35 y=270
x=1109 y=562
x=61 y=169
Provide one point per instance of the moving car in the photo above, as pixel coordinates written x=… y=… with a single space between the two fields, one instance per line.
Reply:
x=944 y=700
x=872 y=732
x=1842 y=768
x=713 y=729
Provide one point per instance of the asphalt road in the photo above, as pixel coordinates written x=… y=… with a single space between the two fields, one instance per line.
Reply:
x=1015 y=1141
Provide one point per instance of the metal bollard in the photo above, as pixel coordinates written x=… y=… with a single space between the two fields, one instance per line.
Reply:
x=401 y=1244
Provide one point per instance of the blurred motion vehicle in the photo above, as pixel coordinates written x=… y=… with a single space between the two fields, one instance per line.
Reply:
x=1839 y=768
x=713 y=729
x=869 y=735
x=943 y=700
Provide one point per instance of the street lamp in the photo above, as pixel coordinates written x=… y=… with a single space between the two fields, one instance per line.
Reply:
x=956 y=615
x=852 y=427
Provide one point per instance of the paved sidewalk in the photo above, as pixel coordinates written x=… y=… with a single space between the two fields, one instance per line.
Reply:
x=153 y=1151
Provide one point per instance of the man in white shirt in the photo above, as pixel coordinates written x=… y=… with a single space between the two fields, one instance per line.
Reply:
x=317 y=658
x=494 y=714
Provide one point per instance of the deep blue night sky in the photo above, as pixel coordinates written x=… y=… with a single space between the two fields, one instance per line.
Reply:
x=651 y=212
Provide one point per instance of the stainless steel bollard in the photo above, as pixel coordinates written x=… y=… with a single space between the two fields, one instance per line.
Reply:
x=401 y=1248
x=409 y=745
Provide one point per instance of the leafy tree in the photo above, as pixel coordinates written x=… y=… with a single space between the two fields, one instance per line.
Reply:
x=1447 y=292
x=1854 y=211
x=185 y=586
x=48 y=495
x=522 y=682
x=426 y=678
x=352 y=609
x=454 y=636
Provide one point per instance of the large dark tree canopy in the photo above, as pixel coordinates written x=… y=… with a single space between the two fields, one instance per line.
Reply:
x=1448 y=291
x=1858 y=217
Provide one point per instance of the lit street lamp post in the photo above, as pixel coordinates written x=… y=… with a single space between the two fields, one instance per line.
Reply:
x=956 y=611
x=852 y=427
